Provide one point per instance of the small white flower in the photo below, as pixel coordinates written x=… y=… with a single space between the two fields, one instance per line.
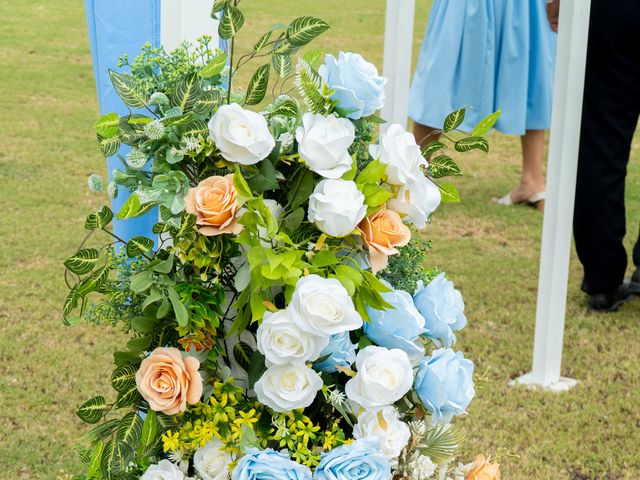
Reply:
x=288 y=387
x=336 y=207
x=420 y=467
x=286 y=140
x=112 y=189
x=211 y=461
x=323 y=144
x=400 y=152
x=95 y=183
x=385 y=424
x=191 y=143
x=282 y=341
x=322 y=306
x=384 y=377
x=417 y=200
x=242 y=136
x=154 y=130
x=163 y=470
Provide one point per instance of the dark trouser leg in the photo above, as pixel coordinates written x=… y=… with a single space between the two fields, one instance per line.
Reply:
x=610 y=115
x=636 y=252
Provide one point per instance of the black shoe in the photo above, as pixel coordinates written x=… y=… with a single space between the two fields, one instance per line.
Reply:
x=634 y=284
x=609 y=302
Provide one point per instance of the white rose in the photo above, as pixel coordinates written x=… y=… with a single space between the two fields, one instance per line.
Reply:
x=417 y=200
x=242 y=136
x=211 y=461
x=323 y=144
x=322 y=306
x=384 y=377
x=288 y=387
x=281 y=341
x=400 y=152
x=336 y=207
x=163 y=470
x=392 y=432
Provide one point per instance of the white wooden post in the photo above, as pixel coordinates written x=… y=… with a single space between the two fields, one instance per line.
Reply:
x=561 y=186
x=398 y=43
x=186 y=20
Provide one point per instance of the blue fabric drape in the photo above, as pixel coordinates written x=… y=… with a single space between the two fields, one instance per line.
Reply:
x=118 y=27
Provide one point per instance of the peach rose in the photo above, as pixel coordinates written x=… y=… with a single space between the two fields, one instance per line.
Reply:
x=383 y=232
x=168 y=381
x=481 y=469
x=214 y=202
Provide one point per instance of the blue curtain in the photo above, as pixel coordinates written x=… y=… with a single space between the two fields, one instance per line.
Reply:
x=118 y=27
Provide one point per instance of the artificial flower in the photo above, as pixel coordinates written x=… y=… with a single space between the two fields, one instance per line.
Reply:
x=214 y=202
x=288 y=387
x=269 y=465
x=385 y=424
x=163 y=470
x=416 y=201
x=382 y=232
x=398 y=150
x=336 y=207
x=211 y=462
x=358 y=460
x=340 y=352
x=482 y=469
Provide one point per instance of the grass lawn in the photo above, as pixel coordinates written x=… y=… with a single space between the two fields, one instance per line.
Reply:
x=47 y=150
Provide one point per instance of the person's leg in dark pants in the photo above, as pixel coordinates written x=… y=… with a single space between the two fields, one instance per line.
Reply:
x=610 y=115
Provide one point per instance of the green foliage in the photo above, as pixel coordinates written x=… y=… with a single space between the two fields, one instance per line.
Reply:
x=257 y=88
x=453 y=120
x=408 y=268
x=440 y=443
x=92 y=410
x=304 y=29
x=443 y=166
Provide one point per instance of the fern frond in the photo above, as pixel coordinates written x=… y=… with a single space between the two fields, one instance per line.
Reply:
x=311 y=87
x=440 y=443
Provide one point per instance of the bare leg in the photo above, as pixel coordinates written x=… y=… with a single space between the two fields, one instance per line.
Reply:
x=532 y=164
x=424 y=135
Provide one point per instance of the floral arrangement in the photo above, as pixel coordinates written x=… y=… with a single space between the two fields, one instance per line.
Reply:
x=282 y=324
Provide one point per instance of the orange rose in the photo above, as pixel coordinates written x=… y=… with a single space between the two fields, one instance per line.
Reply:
x=214 y=202
x=382 y=232
x=481 y=469
x=168 y=381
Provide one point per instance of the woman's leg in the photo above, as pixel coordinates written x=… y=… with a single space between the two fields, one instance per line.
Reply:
x=424 y=135
x=532 y=165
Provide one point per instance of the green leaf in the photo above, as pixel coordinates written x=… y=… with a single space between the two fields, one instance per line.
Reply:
x=266 y=179
x=144 y=324
x=256 y=369
x=218 y=6
x=449 y=193
x=207 y=102
x=242 y=354
x=93 y=466
x=293 y=221
x=262 y=41
x=215 y=65
x=304 y=29
x=107 y=126
x=132 y=208
x=129 y=429
x=374 y=194
x=128 y=397
x=99 y=219
x=93 y=282
x=486 y=124
x=128 y=89
x=471 y=143
x=443 y=166
x=314 y=57
x=149 y=429
x=82 y=261
x=232 y=21
x=242 y=188
x=453 y=120
x=372 y=173
x=164 y=266
x=109 y=146
x=123 y=378
x=324 y=258
x=141 y=281
x=431 y=148
x=187 y=92
x=248 y=438
x=182 y=315
x=287 y=108
x=115 y=458
x=440 y=443
x=139 y=246
x=309 y=85
x=300 y=188
x=199 y=127
x=70 y=303
x=92 y=410
x=257 y=88
x=282 y=65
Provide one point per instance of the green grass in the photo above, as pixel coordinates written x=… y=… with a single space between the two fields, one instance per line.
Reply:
x=48 y=105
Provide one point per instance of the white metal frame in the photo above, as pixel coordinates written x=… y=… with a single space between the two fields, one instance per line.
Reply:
x=185 y=20
x=563 y=161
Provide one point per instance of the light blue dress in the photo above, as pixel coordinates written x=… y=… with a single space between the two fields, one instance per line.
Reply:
x=486 y=55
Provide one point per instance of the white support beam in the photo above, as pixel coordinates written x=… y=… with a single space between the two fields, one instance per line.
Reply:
x=561 y=186
x=186 y=20
x=398 y=43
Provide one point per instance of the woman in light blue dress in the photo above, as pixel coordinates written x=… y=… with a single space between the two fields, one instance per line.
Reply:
x=487 y=55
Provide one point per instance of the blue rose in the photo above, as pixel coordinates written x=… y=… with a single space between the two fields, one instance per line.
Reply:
x=269 y=465
x=360 y=460
x=341 y=353
x=443 y=309
x=444 y=384
x=397 y=327
x=358 y=88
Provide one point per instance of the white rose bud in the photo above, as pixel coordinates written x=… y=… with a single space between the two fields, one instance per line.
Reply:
x=288 y=387
x=393 y=433
x=322 y=306
x=211 y=461
x=163 y=470
x=323 y=144
x=281 y=341
x=336 y=207
x=384 y=377
x=242 y=136
x=400 y=152
x=417 y=200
